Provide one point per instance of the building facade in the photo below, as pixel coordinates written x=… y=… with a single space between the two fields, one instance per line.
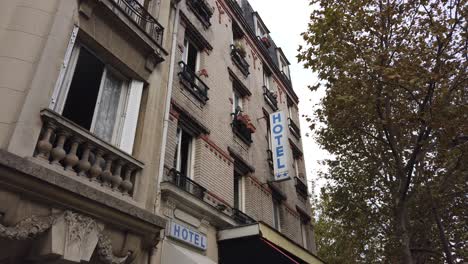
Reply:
x=228 y=77
x=81 y=88
x=137 y=131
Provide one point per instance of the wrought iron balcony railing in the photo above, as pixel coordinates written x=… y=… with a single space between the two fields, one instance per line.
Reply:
x=270 y=98
x=294 y=128
x=241 y=217
x=76 y=151
x=202 y=11
x=186 y=184
x=301 y=187
x=193 y=83
x=239 y=60
x=138 y=14
x=241 y=130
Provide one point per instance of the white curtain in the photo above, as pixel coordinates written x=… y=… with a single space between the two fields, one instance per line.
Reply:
x=108 y=105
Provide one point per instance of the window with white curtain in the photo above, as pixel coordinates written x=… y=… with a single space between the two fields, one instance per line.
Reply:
x=99 y=98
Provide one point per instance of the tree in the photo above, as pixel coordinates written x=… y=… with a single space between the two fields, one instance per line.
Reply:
x=395 y=118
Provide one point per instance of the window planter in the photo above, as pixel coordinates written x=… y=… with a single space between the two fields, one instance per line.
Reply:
x=239 y=60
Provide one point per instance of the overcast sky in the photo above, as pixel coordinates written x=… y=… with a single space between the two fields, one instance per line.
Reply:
x=286 y=20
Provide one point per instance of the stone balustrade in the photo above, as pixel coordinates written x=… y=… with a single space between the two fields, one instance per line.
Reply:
x=67 y=146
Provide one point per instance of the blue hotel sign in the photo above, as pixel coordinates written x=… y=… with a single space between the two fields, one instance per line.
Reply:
x=186 y=235
x=278 y=141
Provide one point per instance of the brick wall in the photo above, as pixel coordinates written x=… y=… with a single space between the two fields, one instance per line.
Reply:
x=213 y=169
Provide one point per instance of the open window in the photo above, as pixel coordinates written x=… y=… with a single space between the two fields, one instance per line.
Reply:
x=183 y=158
x=99 y=98
x=261 y=31
x=190 y=56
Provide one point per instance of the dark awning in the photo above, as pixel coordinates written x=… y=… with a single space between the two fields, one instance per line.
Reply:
x=259 y=243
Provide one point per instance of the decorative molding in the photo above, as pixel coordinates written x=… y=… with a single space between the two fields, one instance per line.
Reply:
x=80 y=226
x=28 y=228
x=104 y=251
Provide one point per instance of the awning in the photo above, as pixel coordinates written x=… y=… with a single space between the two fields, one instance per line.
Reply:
x=172 y=254
x=259 y=243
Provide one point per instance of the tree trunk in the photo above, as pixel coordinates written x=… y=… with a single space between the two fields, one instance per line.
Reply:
x=402 y=232
x=442 y=238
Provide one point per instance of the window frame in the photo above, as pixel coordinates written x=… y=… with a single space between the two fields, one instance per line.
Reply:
x=239 y=179
x=304 y=234
x=277 y=215
x=190 y=155
x=185 y=52
x=64 y=89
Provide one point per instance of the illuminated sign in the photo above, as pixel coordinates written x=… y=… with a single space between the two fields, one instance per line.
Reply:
x=278 y=140
x=186 y=235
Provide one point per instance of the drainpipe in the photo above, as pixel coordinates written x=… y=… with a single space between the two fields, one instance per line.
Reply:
x=168 y=106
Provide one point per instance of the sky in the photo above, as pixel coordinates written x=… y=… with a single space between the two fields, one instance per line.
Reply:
x=286 y=20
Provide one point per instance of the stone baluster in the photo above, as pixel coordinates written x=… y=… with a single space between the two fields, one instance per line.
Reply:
x=43 y=145
x=96 y=170
x=84 y=164
x=71 y=159
x=116 y=177
x=58 y=153
x=127 y=184
x=107 y=173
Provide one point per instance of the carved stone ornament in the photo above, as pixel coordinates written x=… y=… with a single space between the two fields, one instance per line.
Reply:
x=104 y=251
x=28 y=228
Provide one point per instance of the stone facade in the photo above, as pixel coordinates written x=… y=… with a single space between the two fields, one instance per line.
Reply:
x=68 y=196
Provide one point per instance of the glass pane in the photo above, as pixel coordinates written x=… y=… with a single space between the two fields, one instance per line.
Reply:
x=108 y=106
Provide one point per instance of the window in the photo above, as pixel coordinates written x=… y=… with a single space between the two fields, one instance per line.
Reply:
x=191 y=56
x=304 y=233
x=183 y=158
x=239 y=194
x=284 y=66
x=237 y=102
x=296 y=167
x=290 y=108
x=266 y=79
x=276 y=215
x=202 y=11
x=99 y=98
x=260 y=29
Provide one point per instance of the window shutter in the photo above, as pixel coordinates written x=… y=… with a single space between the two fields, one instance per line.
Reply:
x=131 y=116
x=63 y=69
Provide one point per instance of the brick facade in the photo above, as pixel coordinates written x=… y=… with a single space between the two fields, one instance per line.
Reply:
x=213 y=169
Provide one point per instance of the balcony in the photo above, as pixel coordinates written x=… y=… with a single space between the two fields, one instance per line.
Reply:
x=76 y=152
x=142 y=18
x=270 y=98
x=294 y=129
x=301 y=187
x=206 y=203
x=239 y=60
x=241 y=130
x=193 y=83
x=241 y=217
x=202 y=11
x=186 y=184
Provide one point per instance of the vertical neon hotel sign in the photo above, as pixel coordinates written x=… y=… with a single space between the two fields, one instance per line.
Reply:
x=278 y=141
